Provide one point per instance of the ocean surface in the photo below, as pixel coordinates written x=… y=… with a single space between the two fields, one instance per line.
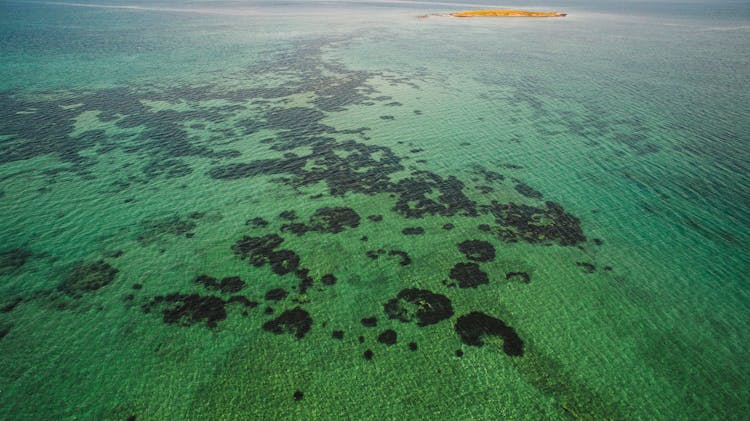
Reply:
x=231 y=210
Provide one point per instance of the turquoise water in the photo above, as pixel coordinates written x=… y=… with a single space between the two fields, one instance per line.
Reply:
x=204 y=205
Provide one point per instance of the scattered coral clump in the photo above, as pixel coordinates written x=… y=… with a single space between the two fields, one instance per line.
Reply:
x=425 y=306
x=296 y=322
x=88 y=277
x=474 y=326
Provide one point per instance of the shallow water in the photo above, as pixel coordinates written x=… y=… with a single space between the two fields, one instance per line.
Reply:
x=580 y=182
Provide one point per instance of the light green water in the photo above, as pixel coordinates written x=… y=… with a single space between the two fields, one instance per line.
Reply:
x=603 y=155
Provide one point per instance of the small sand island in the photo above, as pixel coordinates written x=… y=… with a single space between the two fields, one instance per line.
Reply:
x=510 y=13
x=507 y=13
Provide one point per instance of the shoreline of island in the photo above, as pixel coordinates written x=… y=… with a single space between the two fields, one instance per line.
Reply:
x=505 y=13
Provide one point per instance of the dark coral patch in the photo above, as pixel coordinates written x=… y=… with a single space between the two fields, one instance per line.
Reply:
x=369 y=321
x=326 y=220
x=334 y=220
x=416 y=192
x=413 y=231
x=189 y=235
x=459 y=353
x=489 y=176
x=87 y=277
x=469 y=275
x=520 y=276
x=485 y=189
x=354 y=167
x=368 y=354
x=276 y=294
x=344 y=166
x=427 y=307
x=208 y=282
x=448 y=226
x=196 y=215
x=163 y=133
x=153 y=230
x=587 y=267
x=375 y=218
x=413 y=346
x=527 y=191
x=231 y=284
x=337 y=334
x=296 y=322
x=257 y=249
x=473 y=326
x=289 y=215
x=7 y=308
x=261 y=250
x=305 y=280
x=283 y=261
x=187 y=310
x=477 y=250
x=405 y=259
x=388 y=337
x=298 y=395
x=113 y=254
x=257 y=222
x=328 y=279
x=536 y=225
x=242 y=300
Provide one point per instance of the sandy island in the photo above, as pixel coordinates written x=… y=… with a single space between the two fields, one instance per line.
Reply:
x=507 y=13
